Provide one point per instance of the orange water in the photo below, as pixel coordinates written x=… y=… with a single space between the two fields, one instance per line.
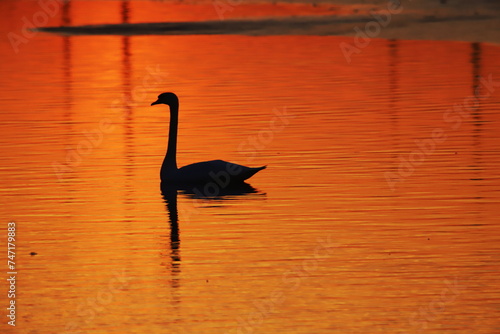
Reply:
x=328 y=243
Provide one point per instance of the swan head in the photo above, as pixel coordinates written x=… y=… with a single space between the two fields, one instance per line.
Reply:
x=170 y=99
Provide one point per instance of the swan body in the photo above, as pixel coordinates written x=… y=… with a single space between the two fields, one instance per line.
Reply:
x=220 y=172
x=214 y=170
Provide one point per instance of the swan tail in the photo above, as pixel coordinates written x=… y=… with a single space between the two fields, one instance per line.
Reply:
x=252 y=171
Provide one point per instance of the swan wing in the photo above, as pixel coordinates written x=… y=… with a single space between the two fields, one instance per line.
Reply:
x=219 y=171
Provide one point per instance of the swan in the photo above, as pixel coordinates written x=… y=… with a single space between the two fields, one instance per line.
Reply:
x=221 y=172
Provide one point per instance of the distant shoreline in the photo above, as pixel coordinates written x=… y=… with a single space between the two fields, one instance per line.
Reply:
x=472 y=28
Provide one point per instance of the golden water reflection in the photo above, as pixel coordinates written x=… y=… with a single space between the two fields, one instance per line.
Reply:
x=323 y=245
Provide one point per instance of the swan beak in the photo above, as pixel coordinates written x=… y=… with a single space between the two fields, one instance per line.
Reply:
x=155 y=102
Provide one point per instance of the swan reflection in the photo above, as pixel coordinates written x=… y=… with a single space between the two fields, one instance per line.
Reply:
x=196 y=192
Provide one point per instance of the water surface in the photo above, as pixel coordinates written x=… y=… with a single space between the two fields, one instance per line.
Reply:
x=363 y=222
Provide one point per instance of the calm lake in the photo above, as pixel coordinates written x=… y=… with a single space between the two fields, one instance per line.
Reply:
x=377 y=213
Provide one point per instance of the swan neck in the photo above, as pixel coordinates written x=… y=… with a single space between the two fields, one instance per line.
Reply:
x=170 y=159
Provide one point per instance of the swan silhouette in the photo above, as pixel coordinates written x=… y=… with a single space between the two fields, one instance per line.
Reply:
x=221 y=172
